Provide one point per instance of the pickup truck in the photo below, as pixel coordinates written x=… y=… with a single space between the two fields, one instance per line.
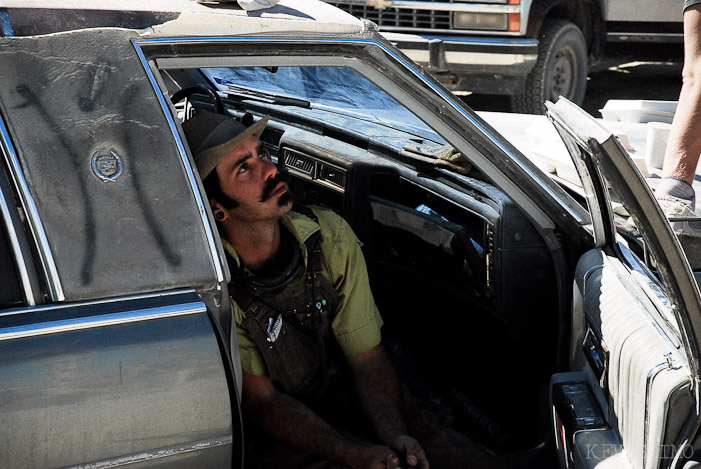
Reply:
x=531 y=50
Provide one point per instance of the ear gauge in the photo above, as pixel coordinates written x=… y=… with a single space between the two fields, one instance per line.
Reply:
x=219 y=215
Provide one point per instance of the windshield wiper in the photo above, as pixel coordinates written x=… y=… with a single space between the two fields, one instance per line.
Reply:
x=245 y=93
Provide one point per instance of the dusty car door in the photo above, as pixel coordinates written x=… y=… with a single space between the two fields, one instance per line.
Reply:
x=110 y=342
x=629 y=398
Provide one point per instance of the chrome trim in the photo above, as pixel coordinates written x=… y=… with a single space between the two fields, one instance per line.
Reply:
x=649 y=38
x=159 y=453
x=20 y=262
x=186 y=162
x=588 y=273
x=651 y=286
x=520 y=42
x=445 y=95
x=47 y=260
x=441 y=6
x=102 y=301
x=101 y=320
x=648 y=389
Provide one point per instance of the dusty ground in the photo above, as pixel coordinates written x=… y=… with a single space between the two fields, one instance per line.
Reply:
x=632 y=80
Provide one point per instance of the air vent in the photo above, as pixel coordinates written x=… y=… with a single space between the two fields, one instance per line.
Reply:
x=320 y=172
x=299 y=164
x=335 y=177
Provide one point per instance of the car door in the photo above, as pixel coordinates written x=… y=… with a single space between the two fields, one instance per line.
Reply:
x=111 y=346
x=629 y=397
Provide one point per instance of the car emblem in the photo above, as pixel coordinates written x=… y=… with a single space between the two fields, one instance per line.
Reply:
x=107 y=166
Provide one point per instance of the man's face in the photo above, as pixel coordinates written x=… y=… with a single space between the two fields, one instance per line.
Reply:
x=247 y=175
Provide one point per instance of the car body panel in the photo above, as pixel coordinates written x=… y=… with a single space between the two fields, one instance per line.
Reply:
x=131 y=380
x=175 y=18
x=643 y=11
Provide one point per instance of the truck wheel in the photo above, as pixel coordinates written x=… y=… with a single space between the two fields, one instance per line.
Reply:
x=561 y=69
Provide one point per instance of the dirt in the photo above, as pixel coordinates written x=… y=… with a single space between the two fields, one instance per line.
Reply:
x=632 y=80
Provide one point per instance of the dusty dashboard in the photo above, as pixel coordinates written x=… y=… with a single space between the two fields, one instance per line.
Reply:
x=415 y=228
x=348 y=145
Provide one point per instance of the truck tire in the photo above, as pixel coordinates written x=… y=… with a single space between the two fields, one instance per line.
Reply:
x=561 y=69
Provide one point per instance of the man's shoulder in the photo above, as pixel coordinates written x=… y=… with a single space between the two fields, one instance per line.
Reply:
x=325 y=218
x=332 y=224
x=334 y=228
x=326 y=215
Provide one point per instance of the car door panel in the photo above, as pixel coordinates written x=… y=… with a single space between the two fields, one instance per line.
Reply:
x=632 y=350
x=139 y=380
x=641 y=382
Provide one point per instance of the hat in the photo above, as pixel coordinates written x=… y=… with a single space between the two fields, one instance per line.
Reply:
x=211 y=136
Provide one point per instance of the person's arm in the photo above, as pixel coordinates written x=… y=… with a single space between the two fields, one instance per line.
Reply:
x=377 y=388
x=288 y=420
x=684 y=144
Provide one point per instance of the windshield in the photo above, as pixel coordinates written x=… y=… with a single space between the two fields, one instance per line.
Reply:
x=321 y=90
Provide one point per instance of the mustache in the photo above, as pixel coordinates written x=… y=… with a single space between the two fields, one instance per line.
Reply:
x=271 y=184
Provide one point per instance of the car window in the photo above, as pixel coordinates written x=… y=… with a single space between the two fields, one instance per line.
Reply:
x=96 y=151
x=323 y=90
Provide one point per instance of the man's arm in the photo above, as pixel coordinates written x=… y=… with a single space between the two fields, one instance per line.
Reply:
x=684 y=145
x=288 y=420
x=377 y=388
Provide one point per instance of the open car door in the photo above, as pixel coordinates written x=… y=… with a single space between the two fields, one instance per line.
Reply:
x=630 y=395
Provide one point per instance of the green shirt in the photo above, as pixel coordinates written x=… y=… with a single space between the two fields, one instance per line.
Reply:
x=357 y=323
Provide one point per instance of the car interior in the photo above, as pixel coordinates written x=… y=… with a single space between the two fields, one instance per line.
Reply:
x=464 y=283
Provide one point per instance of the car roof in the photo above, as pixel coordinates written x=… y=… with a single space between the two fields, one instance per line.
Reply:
x=173 y=18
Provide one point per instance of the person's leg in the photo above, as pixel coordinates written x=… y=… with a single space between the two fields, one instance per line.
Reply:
x=265 y=452
x=445 y=447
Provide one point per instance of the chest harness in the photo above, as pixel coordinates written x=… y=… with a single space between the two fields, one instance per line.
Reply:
x=289 y=318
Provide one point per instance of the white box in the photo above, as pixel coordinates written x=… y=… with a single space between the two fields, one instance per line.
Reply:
x=639 y=110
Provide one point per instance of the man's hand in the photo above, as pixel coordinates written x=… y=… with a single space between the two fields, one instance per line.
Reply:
x=374 y=457
x=411 y=450
x=383 y=457
x=377 y=387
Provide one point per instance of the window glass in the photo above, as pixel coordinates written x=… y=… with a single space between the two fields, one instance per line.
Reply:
x=324 y=92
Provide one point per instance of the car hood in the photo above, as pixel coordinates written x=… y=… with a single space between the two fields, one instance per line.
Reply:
x=174 y=18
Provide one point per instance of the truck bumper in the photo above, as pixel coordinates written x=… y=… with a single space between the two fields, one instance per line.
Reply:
x=481 y=65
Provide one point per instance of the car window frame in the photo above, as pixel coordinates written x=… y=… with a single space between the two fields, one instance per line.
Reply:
x=23 y=258
x=387 y=68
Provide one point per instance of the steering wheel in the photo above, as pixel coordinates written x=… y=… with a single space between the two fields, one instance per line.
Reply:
x=190 y=90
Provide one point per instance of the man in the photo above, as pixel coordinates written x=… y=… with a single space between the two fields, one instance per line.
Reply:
x=675 y=192
x=304 y=315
